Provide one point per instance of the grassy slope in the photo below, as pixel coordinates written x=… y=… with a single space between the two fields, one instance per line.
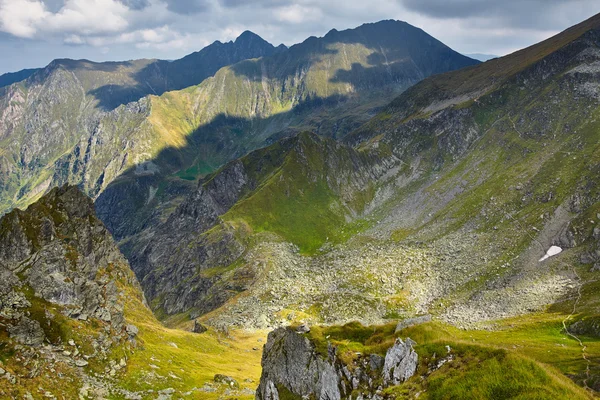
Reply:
x=527 y=358
x=297 y=201
x=195 y=359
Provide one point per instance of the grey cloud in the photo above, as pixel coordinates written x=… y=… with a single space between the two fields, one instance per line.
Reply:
x=188 y=6
x=254 y=3
x=136 y=4
x=531 y=14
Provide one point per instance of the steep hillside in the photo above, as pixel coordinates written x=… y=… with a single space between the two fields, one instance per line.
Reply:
x=90 y=123
x=328 y=85
x=13 y=77
x=304 y=189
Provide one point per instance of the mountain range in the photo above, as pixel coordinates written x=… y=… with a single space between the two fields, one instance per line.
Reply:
x=406 y=221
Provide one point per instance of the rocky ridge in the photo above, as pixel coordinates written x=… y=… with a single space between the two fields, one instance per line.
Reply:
x=63 y=294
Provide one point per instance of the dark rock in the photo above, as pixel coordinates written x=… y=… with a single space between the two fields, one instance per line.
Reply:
x=291 y=363
x=27 y=331
x=198 y=327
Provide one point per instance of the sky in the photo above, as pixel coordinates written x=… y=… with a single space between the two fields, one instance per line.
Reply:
x=34 y=32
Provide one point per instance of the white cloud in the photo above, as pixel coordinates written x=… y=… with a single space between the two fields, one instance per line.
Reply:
x=21 y=17
x=31 y=18
x=87 y=17
x=297 y=14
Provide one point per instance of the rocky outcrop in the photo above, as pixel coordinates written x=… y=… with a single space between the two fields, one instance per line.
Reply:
x=400 y=362
x=57 y=257
x=294 y=369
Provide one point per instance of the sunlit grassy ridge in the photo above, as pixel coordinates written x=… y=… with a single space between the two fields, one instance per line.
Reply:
x=525 y=357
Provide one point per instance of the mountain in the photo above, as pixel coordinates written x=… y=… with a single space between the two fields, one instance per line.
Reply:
x=69 y=122
x=450 y=203
x=73 y=320
x=12 y=77
x=329 y=85
x=64 y=282
x=481 y=57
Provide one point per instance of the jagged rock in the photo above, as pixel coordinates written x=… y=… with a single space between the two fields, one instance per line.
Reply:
x=289 y=359
x=400 y=362
x=57 y=263
x=291 y=363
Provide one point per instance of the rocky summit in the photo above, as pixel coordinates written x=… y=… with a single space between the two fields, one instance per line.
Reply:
x=363 y=215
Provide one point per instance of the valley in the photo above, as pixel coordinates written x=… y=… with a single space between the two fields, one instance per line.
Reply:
x=362 y=215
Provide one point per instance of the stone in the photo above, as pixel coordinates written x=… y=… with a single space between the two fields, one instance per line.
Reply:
x=227 y=380
x=198 y=327
x=376 y=362
x=131 y=330
x=81 y=363
x=27 y=332
x=400 y=362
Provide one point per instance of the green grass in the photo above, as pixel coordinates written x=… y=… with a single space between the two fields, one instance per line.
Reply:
x=528 y=357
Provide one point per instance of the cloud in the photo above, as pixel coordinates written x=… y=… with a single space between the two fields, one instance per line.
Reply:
x=255 y=3
x=136 y=4
x=21 y=17
x=297 y=14
x=27 y=18
x=527 y=14
x=188 y=6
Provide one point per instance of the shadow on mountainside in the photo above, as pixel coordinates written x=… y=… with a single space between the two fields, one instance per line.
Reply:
x=128 y=204
x=400 y=54
x=159 y=76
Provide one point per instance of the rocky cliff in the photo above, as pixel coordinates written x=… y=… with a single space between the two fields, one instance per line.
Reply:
x=294 y=369
x=62 y=301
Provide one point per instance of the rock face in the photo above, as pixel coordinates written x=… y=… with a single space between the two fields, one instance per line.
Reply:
x=400 y=362
x=57 y=256
x=293 y=369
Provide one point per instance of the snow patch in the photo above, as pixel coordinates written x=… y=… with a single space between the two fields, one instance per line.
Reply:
x=552 y=251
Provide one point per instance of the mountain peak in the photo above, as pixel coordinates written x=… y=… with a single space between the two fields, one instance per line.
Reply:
x=248 y=37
